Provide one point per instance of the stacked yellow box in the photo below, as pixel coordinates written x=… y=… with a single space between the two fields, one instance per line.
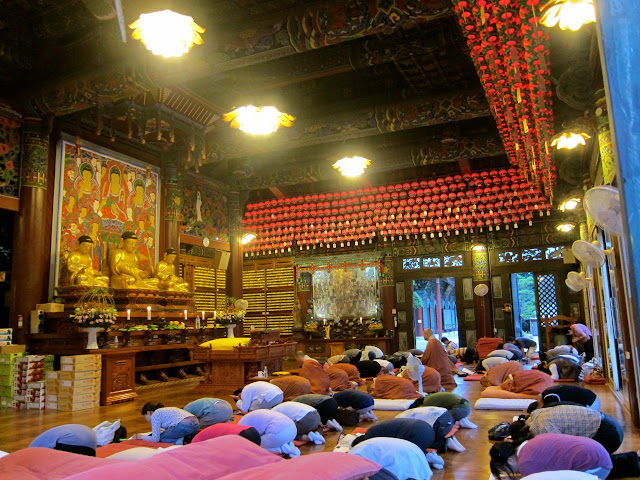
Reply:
x=79 y=382
x=7 y=361
x=52 y=385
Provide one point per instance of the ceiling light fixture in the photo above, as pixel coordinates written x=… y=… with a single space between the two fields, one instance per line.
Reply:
x=565 y=227
x=258 y=120
x=352 y=166
x=569 y=204
x=248 y=238
x=570 y=140
x=571 y=14
x=167 y=33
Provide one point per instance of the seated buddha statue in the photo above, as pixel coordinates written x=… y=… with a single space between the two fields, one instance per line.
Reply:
x=80 y=266
x=166 y=274
x=125 y=270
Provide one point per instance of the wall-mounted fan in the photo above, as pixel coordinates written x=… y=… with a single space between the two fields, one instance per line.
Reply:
x=415 y=369
x=576 y=281
x=590 y=254
x=603 y=205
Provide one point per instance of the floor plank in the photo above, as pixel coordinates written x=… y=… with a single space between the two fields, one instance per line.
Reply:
x=18 y=428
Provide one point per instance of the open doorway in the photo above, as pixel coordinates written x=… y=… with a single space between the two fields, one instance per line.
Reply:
x=525 y=315
x=434 y=307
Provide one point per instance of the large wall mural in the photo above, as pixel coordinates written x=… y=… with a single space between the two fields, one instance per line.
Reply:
x=205 y=212
x=103 y=196
x=9 y=156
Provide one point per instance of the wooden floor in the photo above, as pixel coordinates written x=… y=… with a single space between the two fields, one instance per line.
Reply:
x=18 y=428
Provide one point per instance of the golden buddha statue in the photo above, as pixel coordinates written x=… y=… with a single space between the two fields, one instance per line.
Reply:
x=80 y=266
x=166 y=274
x=125 y=272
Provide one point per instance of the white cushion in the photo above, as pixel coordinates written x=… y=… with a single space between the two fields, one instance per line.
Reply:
x=392 y=405
x=502 y=403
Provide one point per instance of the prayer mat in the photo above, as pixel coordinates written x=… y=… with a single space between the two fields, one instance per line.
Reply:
x=476 y=377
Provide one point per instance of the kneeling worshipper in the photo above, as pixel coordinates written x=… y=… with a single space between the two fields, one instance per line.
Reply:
x=338 y=359
x=562 y=366
x=390 y=387
x=415 y=431
x=499 y=373
x=362 y=403
x=277 y=431
x=377 y=353
x=581 y=333
x=318 y=378
x=526 y=345
x=570 y=393
x=512 y=347
x=386 y=365
x=339 y=379
x=527 y=382
x=223 y=429
x=399 y=459
x=430 y=380
x=210 y=411
x=398 y=359
x=259 y=395
x=443 y=426
x=292 y=386
x=549 y=452
x=458 y=407
x=302 y=357
x=369 y=368
x=72 y=438
x=490 y=362
x=571 y=420
x=306 y=419
x=326 y=406
x=352 y=371
x=435 y=356
x=354 y=355
x=168 y=424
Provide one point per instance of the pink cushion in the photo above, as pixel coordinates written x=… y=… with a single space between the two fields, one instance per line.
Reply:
x=497 y=392
x=113 y=448
x=319 y=466
x=39 y=463
x=208 y=460
x=476 y=377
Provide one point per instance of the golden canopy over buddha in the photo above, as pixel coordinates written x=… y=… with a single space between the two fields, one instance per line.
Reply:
x=125 y=270
x=80 y=266
x=166 y=274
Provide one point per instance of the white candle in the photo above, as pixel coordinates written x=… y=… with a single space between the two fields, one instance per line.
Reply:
x=360 y=320
x=202 y=314
x=215 y=314
x=128 y=314
x=324 y=321
x=185 y=314
x=149 y=312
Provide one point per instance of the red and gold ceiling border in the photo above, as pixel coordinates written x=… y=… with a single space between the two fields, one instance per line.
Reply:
x=510 y=51
x=444 y=206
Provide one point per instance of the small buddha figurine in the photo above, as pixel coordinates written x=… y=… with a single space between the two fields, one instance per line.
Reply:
x=166 y=274
x=80 y=266
x=125 y=270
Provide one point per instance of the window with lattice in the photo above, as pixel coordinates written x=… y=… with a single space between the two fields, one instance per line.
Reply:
x=269 y=287
x=529 y=254
x=411 y=263
x=454 y=260
x=431 y=262
x=547 y=295
x=508 y=256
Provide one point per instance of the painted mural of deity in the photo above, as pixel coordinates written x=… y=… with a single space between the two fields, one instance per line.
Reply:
x=102 y=197
x=205 y=212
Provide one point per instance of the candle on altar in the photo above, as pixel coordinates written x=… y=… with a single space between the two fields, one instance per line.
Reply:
x=360 y=320
x=395 y=322
x=202 y=314
x=128 y=314
x=324 y=321
x=185 y=314
x=149 y=312
x=215 y=314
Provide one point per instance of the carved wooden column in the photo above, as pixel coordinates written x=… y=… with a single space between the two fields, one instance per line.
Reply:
x=389 y=298
x=234 y=270
x=605 y=141
x=484 y=314
x=32 y=230
x=172 y=206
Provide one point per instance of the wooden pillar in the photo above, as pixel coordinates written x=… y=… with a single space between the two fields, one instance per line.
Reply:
x=484 y=314
x=234 y=270
x=172 y=206
x=32 y=230
x=438 y=309
x=388 y=293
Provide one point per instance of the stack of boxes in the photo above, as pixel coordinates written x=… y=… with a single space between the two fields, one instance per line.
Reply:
x=28 y=383
x=78 y=383
x=6 y=336
x=7 y=366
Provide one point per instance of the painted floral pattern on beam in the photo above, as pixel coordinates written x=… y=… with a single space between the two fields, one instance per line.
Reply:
x=9 y=156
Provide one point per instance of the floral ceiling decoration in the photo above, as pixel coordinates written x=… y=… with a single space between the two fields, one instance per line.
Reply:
x=510 y=50
x=444 y=206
